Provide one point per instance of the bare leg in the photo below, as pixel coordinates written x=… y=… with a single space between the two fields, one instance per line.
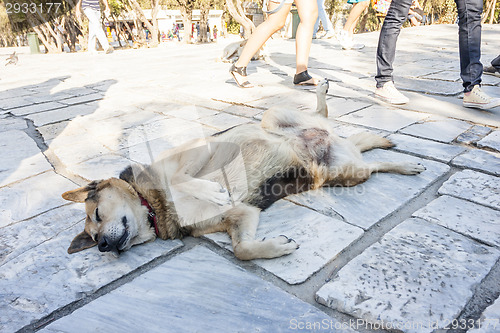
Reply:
x=243 y=221
x=308 y=13
x=261 y=34
x=356 y=11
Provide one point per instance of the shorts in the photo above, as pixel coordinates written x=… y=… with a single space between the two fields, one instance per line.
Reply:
x=354 y=1
x=279 y=1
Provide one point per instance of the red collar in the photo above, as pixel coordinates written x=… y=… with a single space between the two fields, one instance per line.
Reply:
x=151 y=214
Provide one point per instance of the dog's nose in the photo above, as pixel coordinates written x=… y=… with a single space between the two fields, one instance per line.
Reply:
x=106 y=245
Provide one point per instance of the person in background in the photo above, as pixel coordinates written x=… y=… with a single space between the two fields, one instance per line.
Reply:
x=494 y=69
x=469 y=46
x=215 y=33
x=92 y=10
x=325 y=21
x=308 y=13
x=346 y=36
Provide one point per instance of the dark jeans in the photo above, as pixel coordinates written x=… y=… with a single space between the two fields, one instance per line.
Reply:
x=469 y=41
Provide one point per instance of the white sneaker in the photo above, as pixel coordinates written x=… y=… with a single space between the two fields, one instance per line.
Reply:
x=479 y=99
x=347 y=42
x=390 y=94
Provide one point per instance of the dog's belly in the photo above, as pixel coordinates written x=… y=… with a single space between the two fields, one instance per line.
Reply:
x=312 y=150
x=317 y=143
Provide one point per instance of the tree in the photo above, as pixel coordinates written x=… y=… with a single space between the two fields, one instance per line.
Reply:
x=153 y=28
x=186 y=7
x=235 y=8
x=205 y=6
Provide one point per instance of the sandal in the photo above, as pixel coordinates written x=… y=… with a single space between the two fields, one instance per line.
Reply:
x=303 y=78
x=241 y=71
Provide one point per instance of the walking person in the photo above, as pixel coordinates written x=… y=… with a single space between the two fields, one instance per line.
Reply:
x=308 y=12
x=346 y=36
x=469 y=42
x=92 y=10
x=325 y=21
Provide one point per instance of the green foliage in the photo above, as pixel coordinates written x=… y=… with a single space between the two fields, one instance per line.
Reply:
x=233 y=27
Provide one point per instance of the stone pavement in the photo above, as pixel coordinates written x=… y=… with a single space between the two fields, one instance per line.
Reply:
x=400 y=253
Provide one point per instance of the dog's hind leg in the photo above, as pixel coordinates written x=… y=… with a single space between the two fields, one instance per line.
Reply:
x=404 y=168
x=365 y=141
x=242 y=226
x=354 y=174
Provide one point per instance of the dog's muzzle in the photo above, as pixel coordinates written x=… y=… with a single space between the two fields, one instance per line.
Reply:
x=112 y=243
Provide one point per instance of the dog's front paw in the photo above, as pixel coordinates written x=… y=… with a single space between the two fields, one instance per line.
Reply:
x=283 y=245
x=217 y=194
x=322 y=87
x=412 y=168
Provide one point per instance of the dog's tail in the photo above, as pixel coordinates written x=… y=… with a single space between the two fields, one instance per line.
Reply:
x=321 y=90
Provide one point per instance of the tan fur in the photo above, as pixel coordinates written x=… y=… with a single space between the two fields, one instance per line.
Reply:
x=221 y=183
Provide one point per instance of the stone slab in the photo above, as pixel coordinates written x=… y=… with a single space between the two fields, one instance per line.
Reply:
x=438 y=129
x=435 y=87
x=11 y=123
x=147 y=152
x=100 y=167
x=474 y=134
x=479 y=160
x=384 y=118
x=321 y=239
x=47 y=97
x=222 y=121
x=366 y=204
x=419 y=274
x=57 y=115
x=45 y=278
x=451 y=76
x=82 y=99
x=196 y=291
x=341 y=106
x=474 y=186
x=14 y=102
x=22 y=161
x=490 y=319
x=491 y=141
x=32 y=196
x=464 y=217
x=426 y=148
x=35 y=108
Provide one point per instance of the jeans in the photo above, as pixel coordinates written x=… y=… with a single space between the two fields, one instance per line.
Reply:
x=95 y=29
x=327 y=24
x=469 y=41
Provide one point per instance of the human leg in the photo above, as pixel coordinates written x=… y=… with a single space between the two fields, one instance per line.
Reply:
x=357 y=9
x=386 y=50
x=325 y=20
x=469 y=42
x=261 y=34
x=95 y=30
x=308 y=12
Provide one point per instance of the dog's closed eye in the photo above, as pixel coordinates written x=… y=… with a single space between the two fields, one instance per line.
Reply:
x=97 y=217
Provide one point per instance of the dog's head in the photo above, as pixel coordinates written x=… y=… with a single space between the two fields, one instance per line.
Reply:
x=115 y=216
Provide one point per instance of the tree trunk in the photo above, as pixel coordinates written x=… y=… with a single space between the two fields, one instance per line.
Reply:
x=140 y=15
x=204 y=9
x=155 y=33
x=238 y=14
x=187 y=20
x=493 y=11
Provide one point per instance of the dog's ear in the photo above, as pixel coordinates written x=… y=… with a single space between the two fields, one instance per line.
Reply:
x=81 y=242
x=80 y=194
